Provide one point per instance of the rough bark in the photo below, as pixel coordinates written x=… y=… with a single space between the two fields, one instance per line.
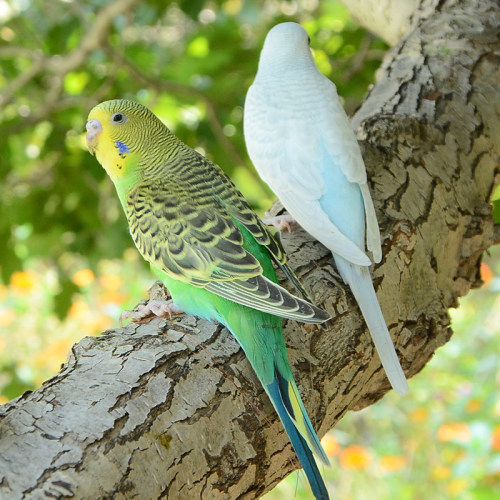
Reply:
x=172 y=408
x=391 y=20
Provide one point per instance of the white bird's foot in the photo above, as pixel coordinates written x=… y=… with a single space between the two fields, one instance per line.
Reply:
x=152 y=307
x=282 y=222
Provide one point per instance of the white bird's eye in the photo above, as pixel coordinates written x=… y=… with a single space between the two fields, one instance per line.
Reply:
x=118 y=118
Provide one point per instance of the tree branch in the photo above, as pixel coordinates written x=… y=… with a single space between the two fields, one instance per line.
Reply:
x=391 y=20
x=61 y=65
x=175 y=402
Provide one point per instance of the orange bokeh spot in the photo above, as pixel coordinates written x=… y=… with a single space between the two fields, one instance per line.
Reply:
x=456 y=431
x=355 y=457
x=99 y=324
x=486 y=273
x=113 y=297
x=23 y=281
x=392 y=463
x=83 y=277
x=78 y=308
x=495 y=439
x=111 y=282
x=330 y=445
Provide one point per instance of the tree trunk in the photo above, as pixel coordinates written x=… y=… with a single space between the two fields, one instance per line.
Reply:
x=173 y=409
x=391 y=20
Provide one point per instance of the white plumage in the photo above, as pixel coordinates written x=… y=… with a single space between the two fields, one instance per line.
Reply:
x=301 y=143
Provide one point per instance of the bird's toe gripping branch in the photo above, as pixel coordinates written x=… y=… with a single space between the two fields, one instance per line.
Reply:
x=151 y=309
x=281 y=222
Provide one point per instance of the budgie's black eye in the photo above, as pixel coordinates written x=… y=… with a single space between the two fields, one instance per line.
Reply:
x=118 y=118
x=309 y=40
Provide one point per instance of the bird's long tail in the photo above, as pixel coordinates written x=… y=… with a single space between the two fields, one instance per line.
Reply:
x=360 y=281
x=288 y=404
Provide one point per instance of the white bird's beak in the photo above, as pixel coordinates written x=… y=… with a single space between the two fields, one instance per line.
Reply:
x=94 y=129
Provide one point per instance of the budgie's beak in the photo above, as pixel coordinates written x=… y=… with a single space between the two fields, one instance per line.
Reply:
x=94 y=129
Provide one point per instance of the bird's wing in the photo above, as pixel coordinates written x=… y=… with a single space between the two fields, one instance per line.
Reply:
x=288 y=150
x=342 y=145
x=372 y=229
x=191 y=243
x=204 y=247
x=264 y=235
x=339 y=137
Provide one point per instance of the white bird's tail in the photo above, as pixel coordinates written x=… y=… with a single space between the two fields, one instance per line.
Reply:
x=359 y=279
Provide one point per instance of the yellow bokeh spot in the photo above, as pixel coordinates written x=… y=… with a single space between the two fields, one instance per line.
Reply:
x=453 y=455
x=7 y=34
x=456 y=431
x=473 y=405
x=130 y=254
x=3 y=400
x=419 y=415
x=53 y=356
x=392 y=463
x=3 y=292
x=355 y=457
x=232 y=7
x=23 y=281
x=99 y=324
x=456 y=486
x=7 y=317
x=83 y=277
x=441 y=472
x=330 y=445
x=111 y=282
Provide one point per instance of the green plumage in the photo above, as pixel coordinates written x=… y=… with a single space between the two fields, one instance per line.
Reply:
x=260 y=334
x=210 y=249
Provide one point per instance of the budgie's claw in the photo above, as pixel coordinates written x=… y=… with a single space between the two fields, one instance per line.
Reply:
x=282 y=222
x=151 y=308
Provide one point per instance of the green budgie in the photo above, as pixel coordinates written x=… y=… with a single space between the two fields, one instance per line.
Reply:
x=210 y=250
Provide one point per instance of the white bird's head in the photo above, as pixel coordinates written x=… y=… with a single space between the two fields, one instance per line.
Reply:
x=286 y=48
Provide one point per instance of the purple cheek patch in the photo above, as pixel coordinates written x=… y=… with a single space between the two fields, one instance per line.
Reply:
x=122 y=147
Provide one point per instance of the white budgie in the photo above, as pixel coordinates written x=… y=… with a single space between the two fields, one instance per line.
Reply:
x=301 y=142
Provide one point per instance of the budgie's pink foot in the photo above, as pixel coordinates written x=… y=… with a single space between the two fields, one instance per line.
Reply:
x=282 y=222
x=151 y=308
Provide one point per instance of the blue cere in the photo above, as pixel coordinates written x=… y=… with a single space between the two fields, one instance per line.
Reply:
x=122 y=147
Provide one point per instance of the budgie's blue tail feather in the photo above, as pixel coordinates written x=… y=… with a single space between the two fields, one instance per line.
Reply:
x=359 y=279
x=279 y=393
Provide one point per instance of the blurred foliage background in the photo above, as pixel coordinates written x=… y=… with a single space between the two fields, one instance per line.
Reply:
x=67 y=263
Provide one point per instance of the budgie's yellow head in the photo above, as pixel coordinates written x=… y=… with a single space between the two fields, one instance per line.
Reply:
x=122 y=134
